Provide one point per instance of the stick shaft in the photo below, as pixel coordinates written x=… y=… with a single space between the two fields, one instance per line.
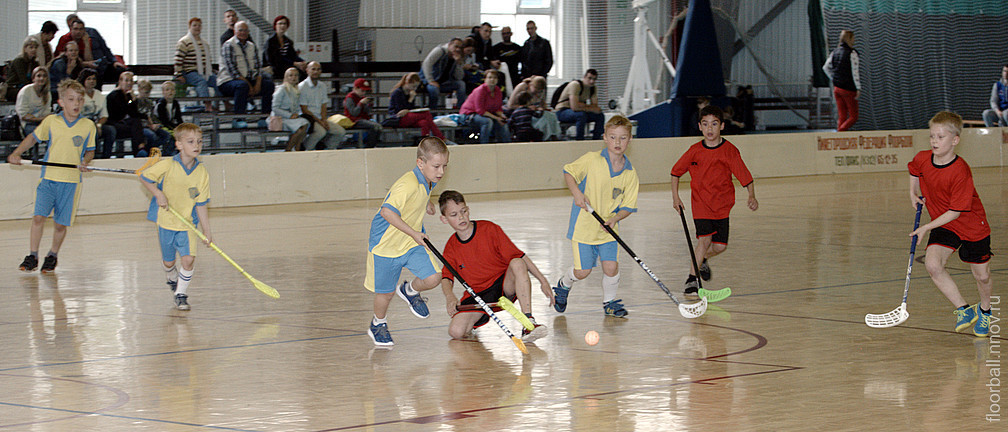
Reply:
x=203 y=237
x=66 y=165
x=626 y=247
x=692 y=254
x=913 y=249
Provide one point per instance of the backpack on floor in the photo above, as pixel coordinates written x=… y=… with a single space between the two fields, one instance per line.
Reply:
x=10 y=127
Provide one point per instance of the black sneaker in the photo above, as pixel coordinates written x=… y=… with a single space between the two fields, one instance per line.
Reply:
x=181 y=302
x=172 y=284
x=692 y=286
x=49 y=264
x=705 y=272
x=30 y=263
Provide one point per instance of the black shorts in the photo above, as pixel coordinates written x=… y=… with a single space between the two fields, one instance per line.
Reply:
x=977 y=252
x=716 y=228
x=489 y=295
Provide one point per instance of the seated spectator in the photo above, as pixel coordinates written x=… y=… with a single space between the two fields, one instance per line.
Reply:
x=194 y=62
x=471 y=72
x=441 y=72
x=997 y=115
x=578 y=104
x=20 y=69
x=483 y=108
x=95 y=108
x=520 y=121
x=34 y=102
x=357 y=107
x=280 y=53
x=155 y=134
x=167 y=109
x=239 y=74
x=44 y=55
x=401 y=108
x=93 y=50
x=315 y=107
x=287 y=106
x=545 y=120
x=124 y=114
x=67 y=66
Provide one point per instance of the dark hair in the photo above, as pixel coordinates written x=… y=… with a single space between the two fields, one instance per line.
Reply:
x=713 y=110
x=49 y=27
x=86 y=73
x=591 y=72
x=78 y=20
x=468 y=42
x=449 y=195
x=278 y=19
x=486 y=24
x=523 y=98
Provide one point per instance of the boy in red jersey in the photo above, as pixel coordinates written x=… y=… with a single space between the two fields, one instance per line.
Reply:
x=958 y=220
x=711 y=164
x=490 y=263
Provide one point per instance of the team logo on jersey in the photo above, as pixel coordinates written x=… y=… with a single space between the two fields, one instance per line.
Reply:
x=616 y=192
x=78 y=141
x=193 y=192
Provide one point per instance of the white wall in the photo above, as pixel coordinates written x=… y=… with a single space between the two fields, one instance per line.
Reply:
x=15 y=28
x=419 y=13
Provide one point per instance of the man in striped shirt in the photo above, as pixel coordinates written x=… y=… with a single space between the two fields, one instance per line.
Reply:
x=194 y=61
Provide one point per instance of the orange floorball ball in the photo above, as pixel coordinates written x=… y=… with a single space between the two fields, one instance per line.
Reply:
x=592 y=337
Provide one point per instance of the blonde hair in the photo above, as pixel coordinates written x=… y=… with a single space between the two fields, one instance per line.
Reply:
x=291 y=88
x=619 y=121
x=164 y=88
x=430 y=146
x=186 y=128
x=144 y=85
x=69 y=85
x=406 y=79
x=952 y=121
x=29 y=41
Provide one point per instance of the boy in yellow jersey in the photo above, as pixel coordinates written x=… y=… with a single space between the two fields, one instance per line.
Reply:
x=607 y=182
x=70 y=139
x=397 y=240
x=182 y=183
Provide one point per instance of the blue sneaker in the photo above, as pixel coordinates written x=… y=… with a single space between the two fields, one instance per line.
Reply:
x=965 y=317
x=614 y=308
x=560 y=296
x=415 y=302
x=380 y=334
x=982 y=326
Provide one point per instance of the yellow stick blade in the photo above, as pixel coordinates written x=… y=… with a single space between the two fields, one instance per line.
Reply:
x=521 y=345
x=266 y=289
x=506 y=304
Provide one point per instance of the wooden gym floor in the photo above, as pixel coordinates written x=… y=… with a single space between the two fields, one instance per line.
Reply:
x=97 y=346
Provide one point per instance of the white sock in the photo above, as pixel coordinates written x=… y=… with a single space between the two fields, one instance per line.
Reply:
x=184 y=277
x=377 y=321
x=609 y=286
x=410 y=290
x=568 y=278
x=171 y=273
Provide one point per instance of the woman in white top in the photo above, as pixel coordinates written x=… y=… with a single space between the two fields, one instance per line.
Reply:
x=287 y=106
x=95 y=109
x=34 y=102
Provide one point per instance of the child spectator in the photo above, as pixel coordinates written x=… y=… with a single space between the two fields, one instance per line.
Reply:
x=490 y=263
x=521 y=120
x=401 y=107
x=168 y=112
x=483 y=108
x=546 y=120
x=607 y=182
x=182 y=183
x=287 y=106
x=397 y=240
x=34 y=102
x=357 y=106
x=95 y=109
x=711 y=164
x=124 y=115
x=69 y=139
x=943 y=181
x=155 y=134
x=20 y=69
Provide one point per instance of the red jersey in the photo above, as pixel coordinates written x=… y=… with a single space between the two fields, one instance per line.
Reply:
x=712 y=193
x=950 y=187
x=481 y=259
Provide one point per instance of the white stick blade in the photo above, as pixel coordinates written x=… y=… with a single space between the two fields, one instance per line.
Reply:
x=894 y=318
x=694 y=310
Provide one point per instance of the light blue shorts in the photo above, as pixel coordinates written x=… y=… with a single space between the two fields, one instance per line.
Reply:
x=173 y=242
x=58 y=199
x=587 y=256
x=382 y=273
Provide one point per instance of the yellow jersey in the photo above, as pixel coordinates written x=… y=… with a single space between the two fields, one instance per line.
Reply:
x=408 y=197
x=66 y=143
x=606 y=190
x=184 y=188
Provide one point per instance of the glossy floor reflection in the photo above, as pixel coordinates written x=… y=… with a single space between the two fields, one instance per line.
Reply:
x=98 y=345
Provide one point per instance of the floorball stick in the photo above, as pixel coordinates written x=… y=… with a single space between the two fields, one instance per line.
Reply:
x=155 y=156
x=266 y=289
x=900 y=314
x=502 y=304
x=711 y=296
x=686 y=310
x=486 y=308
